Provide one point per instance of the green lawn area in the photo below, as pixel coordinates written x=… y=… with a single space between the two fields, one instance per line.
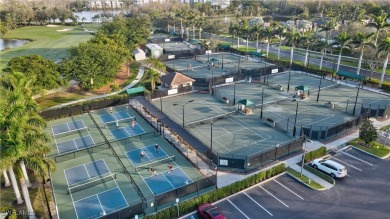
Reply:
x=243 y=48
x=134 y=67
x=58 y=98
x=375 y=148
x=304 y=179
x=45 y=41
x=385 y=128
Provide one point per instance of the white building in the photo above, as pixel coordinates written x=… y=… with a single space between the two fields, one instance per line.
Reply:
x=104 y=4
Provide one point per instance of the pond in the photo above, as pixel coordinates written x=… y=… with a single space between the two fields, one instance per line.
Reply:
x=11 y=43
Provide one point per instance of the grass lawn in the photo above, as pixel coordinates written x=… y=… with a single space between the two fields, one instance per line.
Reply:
x=45 y=41
x=58 y=98
x=304 y=179
x=243 y=48
x=134 y=67
x=376 y=148
x=385 y=128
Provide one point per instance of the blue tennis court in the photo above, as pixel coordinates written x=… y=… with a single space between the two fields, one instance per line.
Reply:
x=75 y=144
x=167 y=181
x=68 y=127
x=115 y=116
x=100 y=204
x=150 y=154
x=126 y=132
x=85 y=172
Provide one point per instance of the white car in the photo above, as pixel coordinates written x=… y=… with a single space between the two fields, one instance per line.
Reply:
x=330 y=167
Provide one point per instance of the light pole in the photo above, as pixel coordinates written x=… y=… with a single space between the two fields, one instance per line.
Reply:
x=190 y=101
x=304 y=153
x=262 y=101
x=319 y=89
x=222 y=56
x=211 y=138
x=357 y=94
x=295 y=121
x=212 y=81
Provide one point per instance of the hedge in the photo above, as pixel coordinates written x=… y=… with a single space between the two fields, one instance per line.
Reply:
x=6 y=211
x=315 y=154
x=319 y=174
x=191 y=205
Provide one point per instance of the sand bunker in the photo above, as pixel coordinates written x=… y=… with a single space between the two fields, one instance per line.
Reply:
x=51 y=25
x=66 y=29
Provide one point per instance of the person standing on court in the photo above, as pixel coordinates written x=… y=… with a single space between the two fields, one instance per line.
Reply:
x=170 y=168
x=156 y=147
x=142 y=154
x=132 y=123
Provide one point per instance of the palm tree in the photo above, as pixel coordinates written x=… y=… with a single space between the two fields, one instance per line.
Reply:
x=256 y=32
x=292 y=38
x=154 y=77
x=280 y=31
x=22 y=138
x=342 y=40
x=361 y=41
x=268 y=33
x=379 y=23
x=307 y=40
x=327 y=27
x=384 y=47
x=245 y=31
x=322 y=45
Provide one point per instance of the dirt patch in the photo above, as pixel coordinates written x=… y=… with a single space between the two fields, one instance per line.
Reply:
x=120 y=79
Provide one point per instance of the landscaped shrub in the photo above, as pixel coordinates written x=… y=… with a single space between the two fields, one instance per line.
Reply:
x=315 y=154
x=7 y=213
x=192 y=204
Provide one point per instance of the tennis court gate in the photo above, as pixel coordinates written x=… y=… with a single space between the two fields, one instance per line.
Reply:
x=379 y=111
x=326 y=133
x=254 y=161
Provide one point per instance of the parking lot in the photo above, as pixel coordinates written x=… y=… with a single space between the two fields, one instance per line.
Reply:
x=363 y=193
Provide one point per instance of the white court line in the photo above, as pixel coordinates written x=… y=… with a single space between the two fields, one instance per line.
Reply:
x=89 y=177
x=273 y=196
x=91 y=137
x=350 y=155
x=319 y=120
x=116 y=185
x=96 y=194
x=100 y=204
x=237 y=208
x=168 y=180
x=347 y=164
x=289 y=189
x=75 y=143
x=55 y=141
x=67 y=124
x=71 y=197
x=84 y=124
x=258 y=204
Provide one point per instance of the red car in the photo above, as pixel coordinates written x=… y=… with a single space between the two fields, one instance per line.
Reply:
x=209 y=211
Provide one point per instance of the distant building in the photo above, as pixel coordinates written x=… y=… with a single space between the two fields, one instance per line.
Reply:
x=104 y=4
x=176 y=80
x=154 y=50
x=139 y=54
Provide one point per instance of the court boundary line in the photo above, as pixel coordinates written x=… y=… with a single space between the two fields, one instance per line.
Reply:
x=118 y=188
x=71 y=197
x=89 y=177
x=91 y=137
x=103 y=211
x=69 y=131
x=178 y=167
x=87 y=172
x=55 y=141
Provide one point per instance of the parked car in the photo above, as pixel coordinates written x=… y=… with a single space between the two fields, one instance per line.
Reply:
x=209 y=211
x=330 y=167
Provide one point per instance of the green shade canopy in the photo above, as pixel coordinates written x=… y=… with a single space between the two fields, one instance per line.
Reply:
x=194 y=42
x=257 y=54
x=350 y=75
x=214 y=60
x=302 y=87
x=246 y=102
x=135 y=90
x=224 y=46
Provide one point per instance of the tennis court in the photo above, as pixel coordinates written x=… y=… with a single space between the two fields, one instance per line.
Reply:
x=104 y=180
x=174 y=46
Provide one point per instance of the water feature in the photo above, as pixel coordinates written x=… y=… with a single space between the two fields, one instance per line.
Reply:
x=11 y=43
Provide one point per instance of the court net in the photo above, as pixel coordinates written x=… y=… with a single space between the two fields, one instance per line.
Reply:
x=209 y=120
x=91 y=183
x=70 y=132
x=155 y=163
x=120 y=121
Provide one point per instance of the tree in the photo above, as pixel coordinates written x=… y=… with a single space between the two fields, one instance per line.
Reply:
x=379 y=23
x=361 y=41
x=280 y=31
x=308 y=40
x=154 y=77
x=368 y=132
x=322 y=45
x=46 y=72
x=384 y=47
x=268 y=34
x=181 y=15
x=22 y=139
x=292 y=38
x=341 y=40
x=256 y=32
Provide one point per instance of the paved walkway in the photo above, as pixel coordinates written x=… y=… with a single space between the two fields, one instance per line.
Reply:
x=136 y=80
x=311 y=176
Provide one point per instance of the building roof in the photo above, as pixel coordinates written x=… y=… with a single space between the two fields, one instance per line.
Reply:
x=152 y=46
x=136 y=51
x=175 y=79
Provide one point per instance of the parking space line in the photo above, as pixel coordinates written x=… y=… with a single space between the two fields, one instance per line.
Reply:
x=274 y=196
x=289 y=189
x=347 y=164
x=237 y=208
x=350 y=155
x=258 y=204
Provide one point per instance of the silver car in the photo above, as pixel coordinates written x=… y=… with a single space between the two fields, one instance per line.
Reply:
x=330 y=167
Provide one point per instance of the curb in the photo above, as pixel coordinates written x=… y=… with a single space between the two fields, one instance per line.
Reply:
x=368 y=153
x=300 y=181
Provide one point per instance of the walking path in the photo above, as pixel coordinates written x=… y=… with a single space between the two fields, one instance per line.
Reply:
x=136 y=80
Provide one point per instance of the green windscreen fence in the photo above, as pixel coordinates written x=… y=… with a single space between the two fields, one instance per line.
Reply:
x=350 y=75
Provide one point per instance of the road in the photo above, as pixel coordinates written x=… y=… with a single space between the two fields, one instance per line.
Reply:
x=299 y=57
